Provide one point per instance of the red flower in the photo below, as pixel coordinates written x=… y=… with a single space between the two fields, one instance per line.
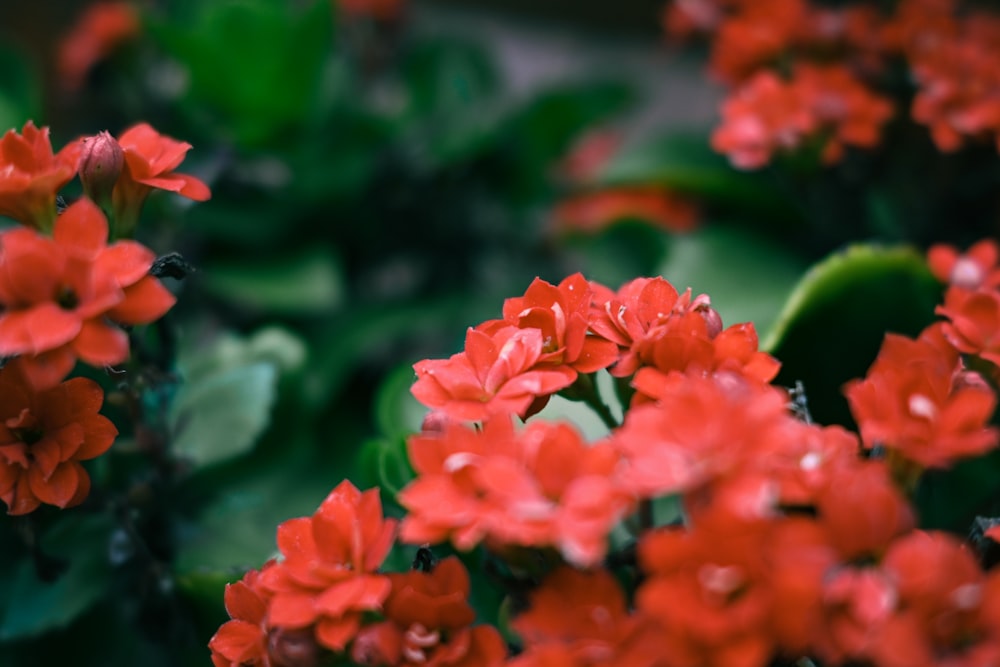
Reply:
x=327 y=578
x=31 y=176
x=764 y=116
x=58 y=293
x=974 y=321
x=383 y=10
x=978 y=267
x=428 y=622
x=561 y=313
x=43 y=437
x=686 y=347
x=592 y=212
x=948 y=611
x=242 y=641
x=150 y=161
x=710 y=592
x=643 y=311
x=911 y=403
x=96 y=34
x=579 y=619
x=498 y=373
x=542 y=486
x=681 y=444
x=844 y=109
x=755 y=36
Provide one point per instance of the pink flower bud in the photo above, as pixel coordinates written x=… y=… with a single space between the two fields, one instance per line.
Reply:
x=293 y=648
x=102 y=163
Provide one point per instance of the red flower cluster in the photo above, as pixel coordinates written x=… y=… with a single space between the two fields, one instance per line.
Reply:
x=63 y=291
x=58 y=294
x=325 y=595
x=543 y=486
x=800 y=72
x=919 y=402
x=785 y=538
x=767 y=115
x=43 y=437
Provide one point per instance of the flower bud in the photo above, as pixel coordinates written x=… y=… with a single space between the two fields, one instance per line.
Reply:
x=102 y=163
x=293 y=648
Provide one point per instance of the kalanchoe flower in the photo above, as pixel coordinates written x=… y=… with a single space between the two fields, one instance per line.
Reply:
x=948 y=611
x=428 y=622
x=592 y=212
x=43 y=437
x=498 y=373
x=580 y=619
x=99 y=30
x=327 y=578
x=150 y=161
x=543 y=486
x=979 y=266
x=58 y=294
x=242 y=641
x=100 y=168
x=641 y=312
x=31 y=175
x=911 y=404
x=973 y=325
x=561 y=313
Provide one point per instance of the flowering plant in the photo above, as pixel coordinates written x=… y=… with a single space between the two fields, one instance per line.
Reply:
x=724 y=438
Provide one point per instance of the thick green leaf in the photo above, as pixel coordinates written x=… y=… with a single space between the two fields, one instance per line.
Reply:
x=747 y=277
x=35 y=606
x=303 y=284
x=255 y=62
x=220 y=415
x=951 y=499
x=383 y=462
x=833 y=324
x=397 y=412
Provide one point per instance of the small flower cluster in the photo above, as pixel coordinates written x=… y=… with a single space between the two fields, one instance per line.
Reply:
x=803 y=74
x=714 y=525
x=64 y=294
x=325 y=596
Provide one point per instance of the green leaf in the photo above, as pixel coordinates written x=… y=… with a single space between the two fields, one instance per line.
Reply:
x=303 y=284
x=833 y=324
x=951 y=499
x=384 y=462
x=35 y=606
x=397 y=412
x=256 y=62
x=747 y=277
x=236 y=530
x=220 y=415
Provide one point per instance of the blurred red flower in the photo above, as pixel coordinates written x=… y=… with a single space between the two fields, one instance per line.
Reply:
x=58 y=294
x=428 y=622
x=591 y=212
x=580 y=619
x=100 y=29
x=43 y=437
x=31 y=175
x=979 y=266
x=541 y=486
x=910 y=401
